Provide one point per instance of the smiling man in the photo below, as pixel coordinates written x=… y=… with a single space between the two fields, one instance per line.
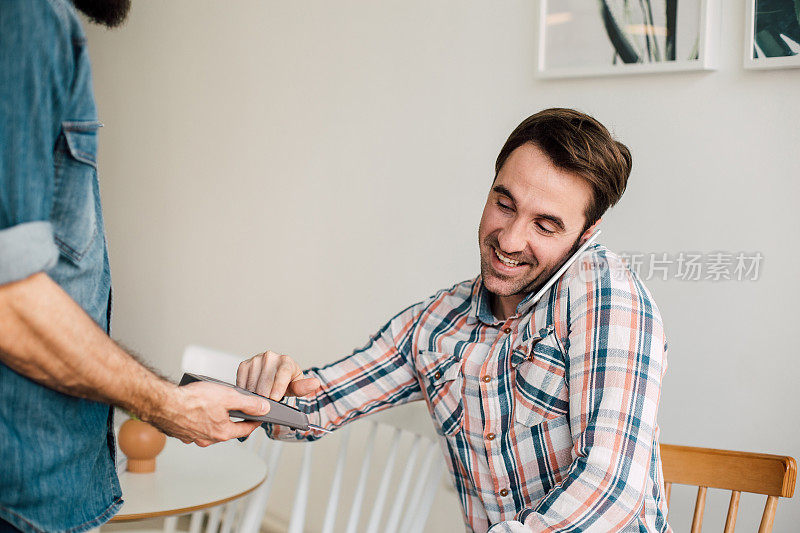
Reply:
x=547 y=408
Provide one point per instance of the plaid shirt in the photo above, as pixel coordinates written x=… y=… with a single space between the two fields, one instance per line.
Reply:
x=548 y=418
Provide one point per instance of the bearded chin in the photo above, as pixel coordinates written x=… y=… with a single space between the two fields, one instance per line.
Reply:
x=110 y=13
x=539 y=281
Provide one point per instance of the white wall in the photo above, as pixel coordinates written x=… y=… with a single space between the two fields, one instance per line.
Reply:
x=288 y=175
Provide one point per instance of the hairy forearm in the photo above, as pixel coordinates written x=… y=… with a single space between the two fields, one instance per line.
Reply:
x=47 y=337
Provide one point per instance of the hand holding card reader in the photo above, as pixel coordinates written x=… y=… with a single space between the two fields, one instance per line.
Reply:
x=279 y=413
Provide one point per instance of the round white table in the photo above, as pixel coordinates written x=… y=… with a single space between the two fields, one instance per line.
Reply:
x=189 y=478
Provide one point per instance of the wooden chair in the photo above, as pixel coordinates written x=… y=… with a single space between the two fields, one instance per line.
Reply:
x=759 y=473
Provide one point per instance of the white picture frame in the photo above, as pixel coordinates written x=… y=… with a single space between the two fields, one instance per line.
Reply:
x=754 y=57
x=706 y=44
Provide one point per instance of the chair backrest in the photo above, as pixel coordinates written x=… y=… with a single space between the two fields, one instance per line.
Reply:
x=412 y=490
x=771 y=475
x=410 y=487
x=211 y=363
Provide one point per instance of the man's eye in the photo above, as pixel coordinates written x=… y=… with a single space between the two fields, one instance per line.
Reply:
x=504 y=206
x=543 y=229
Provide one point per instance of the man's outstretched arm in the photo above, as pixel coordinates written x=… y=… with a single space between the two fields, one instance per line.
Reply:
x=47 y=337
x=379 y=375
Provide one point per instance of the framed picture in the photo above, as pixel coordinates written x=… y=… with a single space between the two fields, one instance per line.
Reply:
x=772 y=38
x=608 y=37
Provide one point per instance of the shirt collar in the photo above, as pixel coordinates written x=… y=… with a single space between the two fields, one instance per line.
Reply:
x=481 y=304
x=526 y=304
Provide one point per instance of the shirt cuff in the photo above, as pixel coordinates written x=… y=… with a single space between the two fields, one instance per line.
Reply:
x=26 y=249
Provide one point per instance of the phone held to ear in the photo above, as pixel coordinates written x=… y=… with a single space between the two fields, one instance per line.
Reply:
x=565 y=266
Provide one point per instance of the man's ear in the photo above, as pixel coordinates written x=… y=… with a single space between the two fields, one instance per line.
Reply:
x=590 y=231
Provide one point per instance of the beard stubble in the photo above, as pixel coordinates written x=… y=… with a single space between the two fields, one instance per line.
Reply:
x=540 y=279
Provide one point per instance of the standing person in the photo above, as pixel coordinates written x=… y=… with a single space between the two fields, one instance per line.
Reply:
x=547 y=408
x=59 y=370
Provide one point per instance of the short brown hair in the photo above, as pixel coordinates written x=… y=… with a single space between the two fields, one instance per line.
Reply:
x=577 y=143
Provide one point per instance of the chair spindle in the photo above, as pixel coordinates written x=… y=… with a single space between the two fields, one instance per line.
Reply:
x=769 y=515
x=213 y=519
x=358 y=498
x=699 y=508
x=196 y=522
x=336 y=485
x=393 y=522
x=415 y=504
x=298 y=518
x=383 y=487
x=170 y=524
x=733 y=508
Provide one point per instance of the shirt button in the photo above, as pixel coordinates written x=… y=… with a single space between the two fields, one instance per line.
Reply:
x=490 y=436
x=437 y=375
x=503 y=492
x=487 y=379
x=507 y=331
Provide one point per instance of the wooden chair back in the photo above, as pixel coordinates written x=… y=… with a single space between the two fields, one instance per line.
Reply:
x=759 y=473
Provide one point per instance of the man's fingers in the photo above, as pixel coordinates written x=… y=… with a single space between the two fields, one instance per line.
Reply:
x=242 y=372
x=256 y=369
x=250 y=405
x=303 y=387
x=244 y=428
x=283 y=377
x=274 y=376
x=262 y=373
x=267 y=377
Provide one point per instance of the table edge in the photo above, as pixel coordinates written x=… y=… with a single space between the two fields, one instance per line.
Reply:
x=183 y=510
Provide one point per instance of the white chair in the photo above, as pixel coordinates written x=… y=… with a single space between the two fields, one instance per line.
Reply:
x=420 y=467
x=212 y=363
x=409 y=510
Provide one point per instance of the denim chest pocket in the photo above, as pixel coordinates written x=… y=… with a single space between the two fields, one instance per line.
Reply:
x=74 y=214
x=442 y=380
x=541 y=390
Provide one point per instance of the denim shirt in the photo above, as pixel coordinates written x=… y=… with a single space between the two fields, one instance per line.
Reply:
x=56 y=452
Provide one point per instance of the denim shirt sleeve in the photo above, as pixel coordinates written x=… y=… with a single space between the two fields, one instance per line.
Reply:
x=35 y=69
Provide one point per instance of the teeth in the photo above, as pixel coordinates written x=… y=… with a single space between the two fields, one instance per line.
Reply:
x=506 y=260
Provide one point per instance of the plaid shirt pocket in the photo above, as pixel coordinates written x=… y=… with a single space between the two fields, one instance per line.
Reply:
x=541 y=393
x=442 y=381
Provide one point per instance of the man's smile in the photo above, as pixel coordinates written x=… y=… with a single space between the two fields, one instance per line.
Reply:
x=504 y=263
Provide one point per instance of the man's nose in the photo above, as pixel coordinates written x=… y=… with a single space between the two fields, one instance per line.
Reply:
x=514 y=237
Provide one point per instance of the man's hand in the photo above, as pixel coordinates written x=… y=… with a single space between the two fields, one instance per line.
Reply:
x=47 y=337
x=198 y=413
x=274 y=376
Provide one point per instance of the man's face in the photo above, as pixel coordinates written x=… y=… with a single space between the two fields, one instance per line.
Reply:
x=532 y=222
